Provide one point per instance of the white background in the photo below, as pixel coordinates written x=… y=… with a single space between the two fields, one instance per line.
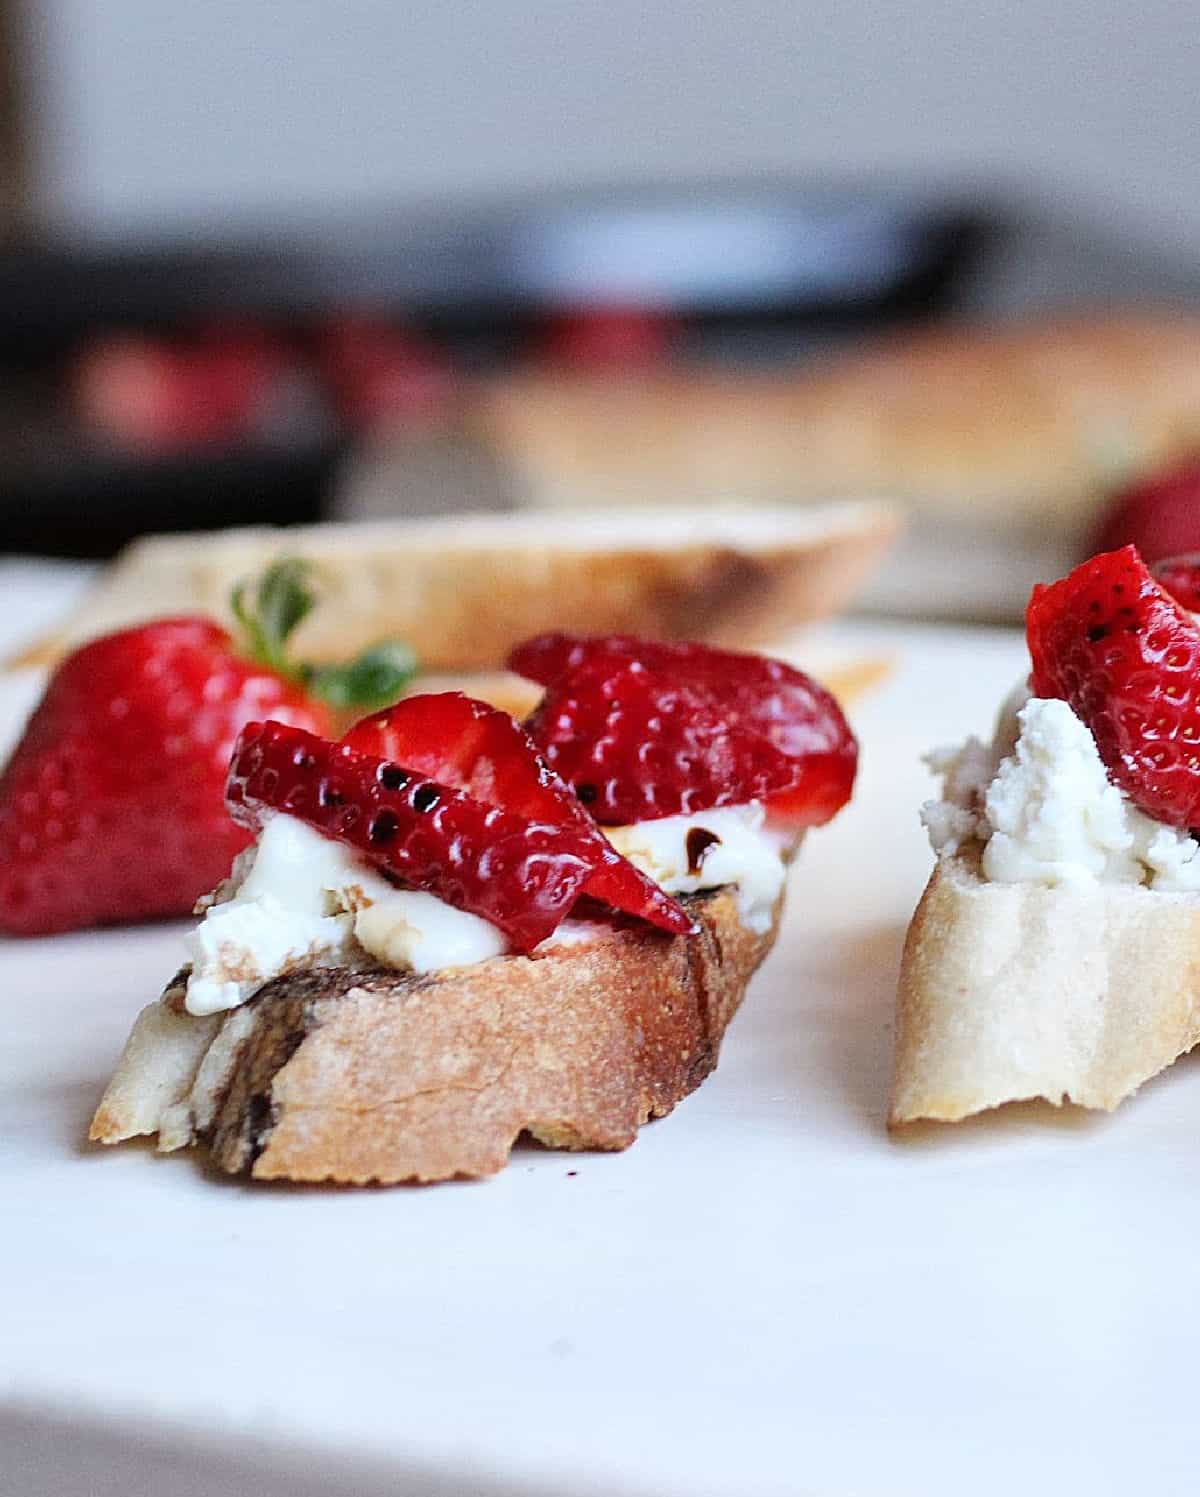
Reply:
x=170 y=116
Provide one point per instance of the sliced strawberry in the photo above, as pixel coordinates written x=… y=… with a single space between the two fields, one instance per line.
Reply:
x=636 y=747
x=1110 y=642
x=1180 y=575
x=522 y=875
x=735 y=727
x=546 y=657
x=472 y=746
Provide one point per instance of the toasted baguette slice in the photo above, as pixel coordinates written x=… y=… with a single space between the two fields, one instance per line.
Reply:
x=360 y=1076
x=465 y=589
x=1014 y=991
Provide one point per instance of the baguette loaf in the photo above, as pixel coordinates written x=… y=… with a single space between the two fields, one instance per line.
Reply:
x=370 y=1075
x=1027 y=423
x=463 y=590
x=1014 y=991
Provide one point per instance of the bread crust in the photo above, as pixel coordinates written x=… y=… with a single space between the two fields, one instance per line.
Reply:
x=1032 y=420
x=463 y=591
x=1015 y=991
x=373 y=1076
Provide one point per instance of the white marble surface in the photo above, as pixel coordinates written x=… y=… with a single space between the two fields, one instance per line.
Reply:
x=764 y=1296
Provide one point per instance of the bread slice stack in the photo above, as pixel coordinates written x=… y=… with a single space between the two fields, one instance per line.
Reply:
x=367 y=1075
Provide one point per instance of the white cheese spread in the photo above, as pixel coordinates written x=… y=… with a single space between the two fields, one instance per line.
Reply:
x=1039 y=801
x=298 y=899
x=729 y=845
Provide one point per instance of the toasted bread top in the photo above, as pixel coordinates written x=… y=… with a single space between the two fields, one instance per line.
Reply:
x=463 y=590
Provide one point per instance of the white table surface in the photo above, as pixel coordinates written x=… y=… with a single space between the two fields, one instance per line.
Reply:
x=765 y=1295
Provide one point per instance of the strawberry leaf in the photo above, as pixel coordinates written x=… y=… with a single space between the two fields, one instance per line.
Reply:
x=270 y=611
x=375 y=679
x=285 y=599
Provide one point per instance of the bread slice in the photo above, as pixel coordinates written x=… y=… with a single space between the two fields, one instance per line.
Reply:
x=463 y=590
x=361 y=1076
x=1014 y=991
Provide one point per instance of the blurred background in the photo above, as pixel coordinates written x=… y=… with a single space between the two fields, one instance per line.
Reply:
x=278 y=263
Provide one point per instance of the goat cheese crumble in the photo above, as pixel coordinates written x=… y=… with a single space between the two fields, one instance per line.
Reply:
x=727 y=845
x=297 y=899
x=1039 y=801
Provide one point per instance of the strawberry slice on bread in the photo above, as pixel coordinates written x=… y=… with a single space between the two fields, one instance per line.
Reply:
x=1112 y=642
x=353 y=1056
x=646 y=728
x=1056 y=949
x=522 y=875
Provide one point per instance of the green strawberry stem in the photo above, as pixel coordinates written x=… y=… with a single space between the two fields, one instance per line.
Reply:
x=269 y=612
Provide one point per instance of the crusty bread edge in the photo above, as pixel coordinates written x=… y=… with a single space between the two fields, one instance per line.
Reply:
x=462 y=592
x=1015 y=991
x=374 y=1077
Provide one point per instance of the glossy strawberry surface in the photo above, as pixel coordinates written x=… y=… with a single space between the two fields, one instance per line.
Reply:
x=112 y=805
x=644 y=729
x=523 y=875
x=476 y=748
x=471 y=745
x=1109 y=640
x=1180 y=576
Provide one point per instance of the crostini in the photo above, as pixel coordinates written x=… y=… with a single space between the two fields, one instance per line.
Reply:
x=1054 y=953
x=452 y=928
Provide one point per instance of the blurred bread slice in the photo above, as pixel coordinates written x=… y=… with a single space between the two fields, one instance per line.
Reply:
x=1014 y=991
x=1023 y=423
x=463 y=590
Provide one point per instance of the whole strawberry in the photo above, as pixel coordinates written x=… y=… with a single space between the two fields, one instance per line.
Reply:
x=112 y=805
